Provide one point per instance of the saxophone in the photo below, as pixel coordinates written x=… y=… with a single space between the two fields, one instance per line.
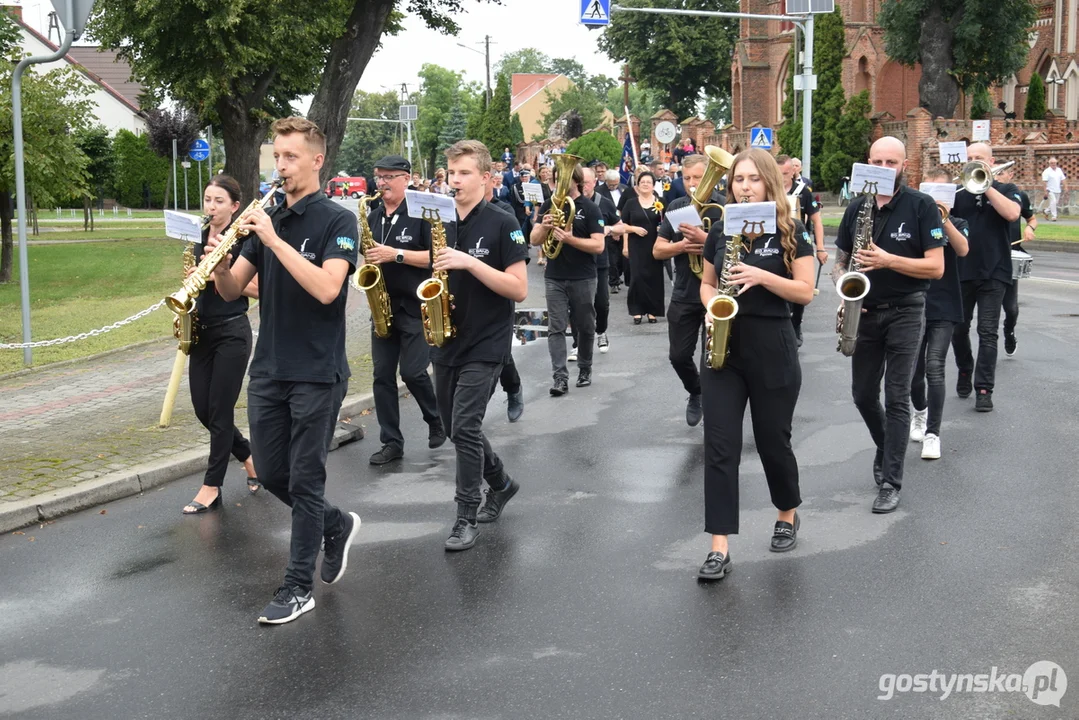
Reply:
x=434 y=292
x=182 y=302
x=719 y=162
x=722 y=308
x=853 y=285
x=369 y=276
x=564 y=166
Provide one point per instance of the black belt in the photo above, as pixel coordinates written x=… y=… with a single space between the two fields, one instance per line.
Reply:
x=218 y=322
x=912 y=300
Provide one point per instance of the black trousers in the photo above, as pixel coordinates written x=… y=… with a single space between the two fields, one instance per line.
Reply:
x=602 y=305
x=988 y=297
x=616 y=263
x=685 y=323
x=929 y=370
x=797 y=311
x=463 y=393
x=888 y=343
x=405 y=348
x=509 y=377
x=292 y=424
x=1011 y=307
x=218 y=364
x=761 y=369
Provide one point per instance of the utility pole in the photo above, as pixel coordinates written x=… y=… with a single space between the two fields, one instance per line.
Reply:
x=487 y=54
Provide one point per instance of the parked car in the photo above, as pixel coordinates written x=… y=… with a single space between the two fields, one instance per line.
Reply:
x=352 y=187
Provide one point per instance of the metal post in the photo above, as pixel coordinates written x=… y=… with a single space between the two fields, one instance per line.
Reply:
x=20 y=175
x=210 y=142
x=201 y=186
x=408 y=124
x=187 y=206
x=807 y=100
x=487 y=54
x=175 y=191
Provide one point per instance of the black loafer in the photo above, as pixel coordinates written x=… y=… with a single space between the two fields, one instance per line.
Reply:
x=388 y=453
x=785 y=535
x=716 y=566
x=887 y=499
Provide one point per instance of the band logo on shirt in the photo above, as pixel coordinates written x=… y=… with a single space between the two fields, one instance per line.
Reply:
x=346 y=243
x=479 y=252
x=901 y=236
x=937 y=234
x=767 y=250
x=518 y=237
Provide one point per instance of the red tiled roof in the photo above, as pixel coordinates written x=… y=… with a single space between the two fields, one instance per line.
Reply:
x=525 y=85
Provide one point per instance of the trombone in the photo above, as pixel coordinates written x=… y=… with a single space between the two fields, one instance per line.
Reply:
x=977 y=176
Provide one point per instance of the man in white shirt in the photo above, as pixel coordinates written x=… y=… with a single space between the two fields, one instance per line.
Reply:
x=1053 y=177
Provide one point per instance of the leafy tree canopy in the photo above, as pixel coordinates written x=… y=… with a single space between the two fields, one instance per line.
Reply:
x=597 y=146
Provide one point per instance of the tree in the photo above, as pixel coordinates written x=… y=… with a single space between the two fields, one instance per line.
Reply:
x=829 y=47
x=517 y=131
x=1035 y=107
x=438 y=96
x=140 y=174
x=570 y=68
x=958 y=43
x=789 y=135
x=474 y=128
x=55 y=109
x=525 y=60
x=847 y=142
x=101 y=164
x=678 y=57
x=496 y=123
x=576 y=98
x=642 y=103
x=718 y=110
x=10 y=33
x=163 y=127
x=365 y=142
x=454 y=128
x=981 y=105
x=597 y=145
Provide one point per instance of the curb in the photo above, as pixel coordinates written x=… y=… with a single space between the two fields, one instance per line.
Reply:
x=141 y=478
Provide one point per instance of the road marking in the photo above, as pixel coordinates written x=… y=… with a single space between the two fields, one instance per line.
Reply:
x=1053 y=280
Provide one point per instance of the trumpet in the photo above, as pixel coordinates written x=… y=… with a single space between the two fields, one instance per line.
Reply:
x=977 y=176
x=943 y=212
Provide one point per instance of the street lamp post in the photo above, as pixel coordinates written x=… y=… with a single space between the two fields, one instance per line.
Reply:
x=487 y=60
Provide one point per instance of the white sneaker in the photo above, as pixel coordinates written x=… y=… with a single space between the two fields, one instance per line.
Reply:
x=931 y=447
x=572 y=357
x=917 y=424
x=601 y=340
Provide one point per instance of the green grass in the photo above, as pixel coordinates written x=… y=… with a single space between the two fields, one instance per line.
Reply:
x=1046 y=230
x=79 y=287
x=124 y=233
x=50 y=214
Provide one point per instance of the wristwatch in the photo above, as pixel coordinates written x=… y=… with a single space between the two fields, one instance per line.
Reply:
x=400 y=256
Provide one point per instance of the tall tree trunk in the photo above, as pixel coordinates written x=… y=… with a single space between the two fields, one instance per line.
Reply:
x=6 y=243
x=938 y=90
x=348 y=57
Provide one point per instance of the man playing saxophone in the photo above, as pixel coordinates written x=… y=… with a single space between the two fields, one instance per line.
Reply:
x=905 y=253
x=485 y=260
x=402 y=250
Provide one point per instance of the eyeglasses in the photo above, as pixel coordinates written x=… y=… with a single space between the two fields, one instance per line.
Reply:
x=387 y=178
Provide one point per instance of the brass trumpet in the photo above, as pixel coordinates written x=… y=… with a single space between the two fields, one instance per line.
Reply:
x=976 y=176
x=943 y=212
x=719 y=162
x=562 y=209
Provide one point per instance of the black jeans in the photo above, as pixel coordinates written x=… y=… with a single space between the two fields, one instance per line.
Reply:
x=930 y=370
x=988 y=296
x=615 y=262
x=797 y=311
x=407 y=348
x=509 y=377
x=292 y=424
x=463 y=393
x=218 y=363
x=888 y=342
x=1011 y=308
x=685 y=323
x=602 y=305
x=763 y=369
x=564 y=296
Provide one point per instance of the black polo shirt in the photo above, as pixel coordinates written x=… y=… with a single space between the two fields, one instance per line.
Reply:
x=687 y=286
x=571 y=263
x=209 y=305
x=407 y=233
x=610 y=219
x=990 y=255
x=807 y=205
x=944 y=301
x=907 y=225
x=482 y=317
x=766 y=252
x=1026 y=212
x=300 y=339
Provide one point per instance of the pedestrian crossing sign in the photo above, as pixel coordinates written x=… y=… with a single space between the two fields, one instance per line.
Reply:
x=761 y=138
x=596 y=13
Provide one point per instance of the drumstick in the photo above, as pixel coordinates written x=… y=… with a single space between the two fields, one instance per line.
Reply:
x=816 y=288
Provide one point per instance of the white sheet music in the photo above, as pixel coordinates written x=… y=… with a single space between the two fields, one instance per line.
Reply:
x=183 y=226
x=533 y=192
x=442 y=204
x=943 y=193
x=953 y=152
x=749 y=218
x=687 y=215
x=875 y=179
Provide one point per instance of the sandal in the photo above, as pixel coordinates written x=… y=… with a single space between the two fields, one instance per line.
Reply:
x=636 y=319
x=652 y=319
x=200 y=508
x=253 y=485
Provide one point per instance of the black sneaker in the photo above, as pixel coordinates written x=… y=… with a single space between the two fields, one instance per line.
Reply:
x=496 y=500
x=887 y=499
x=388 y=453
x=288 y=604
x=515 y=405
x=1009 y=345
x=335 y=555
x=436 y=436
x=963 y=386
x=694 y=412
x=463 y=536
x=560 y=387
x=584 y=377
x=716 y=566
x=984 y=401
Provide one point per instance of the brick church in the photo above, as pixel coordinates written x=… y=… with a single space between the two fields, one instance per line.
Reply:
x=761 y=64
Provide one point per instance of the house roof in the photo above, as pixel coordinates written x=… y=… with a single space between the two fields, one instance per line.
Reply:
x=525 y=86
x=102 y=68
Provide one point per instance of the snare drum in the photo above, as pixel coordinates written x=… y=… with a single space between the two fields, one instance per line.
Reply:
x=1021 y=263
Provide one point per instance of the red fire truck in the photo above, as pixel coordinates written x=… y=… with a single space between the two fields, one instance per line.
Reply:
x=352 y=187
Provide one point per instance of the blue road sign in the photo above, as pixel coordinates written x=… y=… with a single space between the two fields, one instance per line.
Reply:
x=200 y=150
x=596 y=12
x=761 y=138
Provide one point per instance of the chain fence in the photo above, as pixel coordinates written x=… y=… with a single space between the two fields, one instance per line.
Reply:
x=83 y=336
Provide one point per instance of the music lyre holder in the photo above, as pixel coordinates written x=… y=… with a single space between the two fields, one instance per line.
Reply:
x=870 y=187
x=750 y=227
x=953 y=157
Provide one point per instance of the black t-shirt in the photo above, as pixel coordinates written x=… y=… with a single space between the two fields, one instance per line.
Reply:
x=209 y=305
x=610 y=219
x=944 y=301
x=907 y=225
x=482 y=317
x=766 y=252
x=571 y=263
x=407 y=233
x=807 y=205
x=1026 y=212
x=300 y=339
x=687 y=286
x=990 y=255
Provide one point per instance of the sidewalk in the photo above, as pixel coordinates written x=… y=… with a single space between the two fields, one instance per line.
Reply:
x=93 y=423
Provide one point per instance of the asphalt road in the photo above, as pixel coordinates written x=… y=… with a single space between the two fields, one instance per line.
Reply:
x=582 y=601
